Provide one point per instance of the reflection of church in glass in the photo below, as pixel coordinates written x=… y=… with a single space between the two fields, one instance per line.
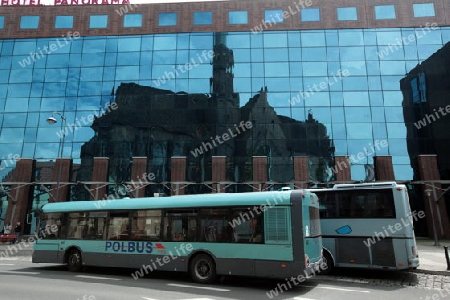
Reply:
x=161 y=124
x=426 y=90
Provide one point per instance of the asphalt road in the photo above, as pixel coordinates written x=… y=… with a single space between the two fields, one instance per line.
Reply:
x=22 y=280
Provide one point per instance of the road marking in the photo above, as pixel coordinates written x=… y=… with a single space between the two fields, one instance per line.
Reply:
x=97 y=277
x=336 y=289
x=7 y=264
x=20 y=272
x=149 y=298
x=299 y=298
x=199 y=287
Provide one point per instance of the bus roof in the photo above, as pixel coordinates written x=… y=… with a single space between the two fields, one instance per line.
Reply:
x=367 y=185
x=185 y=201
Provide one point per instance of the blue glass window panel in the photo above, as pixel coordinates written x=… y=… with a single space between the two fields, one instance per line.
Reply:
x=5 y=62
x=165 y=42
x=376 y=98
x=276 y=69
x=426 y=51
x=70 y=104
x=30 y=133
x=58 y=60
x=242 y=70
x=373 y=68
x=111 y=45
x=357 y=114
x=132 y=20
x=392 y=67
x=294 y=39
x=273 y=54
x=256 y=40
x=202 y=18
x=424 y=10
x=145 y=72
x=36 y=89
x=128 y=58
x=127 y=73
x=4 y=75
x=394 y=114
x=384 y=12
x=146 y=58
x=19 y=90
x=351 y=38
x=337 y=98
x=332 y=38
x=88 y=103
x=379 y=131
x=347 y=14
x=403 y=172
x=47 y=150
x=310 y=14
x=107 y=89
x=2 y=22
x=92 y=59
x=169 y=57
x=392 y=98
x=72 y=89
x=129 y=44
x=322 y=114
x=370 y=37
x=356 y=98
x=389 y=37
x=257 y=55
x=275 y=40
x=74 y=74
x=12 y=135
x=52 y=104
x=337 y=116
x=396 y=130
x=90 y=88
x=14 y=120
x=428 y=36
x=257 y=69
x=3 y=90
x=314 y=54
x=358 y=172
x=90 y=74
x=75 y=60
x=29 y=22
x=94 y=46
x=312 y=84
x=202 y=85
x=445 y=35
x=167 y=19
x=411 y=52
x=359 y=131
x=278 y=85
x=295 y=54
x=313 y=39
x=22 y=75
x=295 y=69
x=182 y=41
x=98 y=21
x=238 y=17
x=241 y=55
x=391 y=83
x=352 y=53
x=236 y=41
x=355 y=83
x=278 y=99
x=111 y=59
x=374 y=83
x=315 y=68
x=64 y=22
x=48 y=135
x=54 y=90
x=29 y=148
x=317 y=99
x=273 y=16
x=257 y=84
x=401 y=160
x=339 y=132
x=333 y=54
x=410 y=65
x=56 y=75
x=76 y=46
x=354 y=67
x=16 y=105
x=7 y=48
x=296 y=99
x=201 y=71
x=83 y=134
x=182 y=57
x=24 y=48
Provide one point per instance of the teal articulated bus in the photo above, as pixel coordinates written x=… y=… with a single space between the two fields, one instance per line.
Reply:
x=263 y=234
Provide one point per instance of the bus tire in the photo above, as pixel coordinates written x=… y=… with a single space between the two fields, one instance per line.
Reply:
x=202 y=269
x=74 y=261
x=328 y=261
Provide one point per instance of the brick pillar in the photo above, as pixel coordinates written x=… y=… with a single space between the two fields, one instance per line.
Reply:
x=259 y=172
x=428 y=170
x=219 y=172
x=139 y=178
x=20 y=193
x=61 y=174
x=384 y=170
x=342 y=168
x=301 y=171
x=99 y=174
x=178 y=173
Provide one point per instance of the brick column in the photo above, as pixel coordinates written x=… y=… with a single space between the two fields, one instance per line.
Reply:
x=259 y=172
x=61 y=174
x=20 y=193
x=139 y=176
x=99 y=174
x=384 y=170
x=178 y=173
x=342 y=168
x=301 y=171
x=428 y=170
x=219 y=172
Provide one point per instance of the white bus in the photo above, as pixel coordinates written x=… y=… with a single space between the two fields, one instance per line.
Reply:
x=368 y=225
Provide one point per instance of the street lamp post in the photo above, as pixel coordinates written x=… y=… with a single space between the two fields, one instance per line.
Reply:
x=436 y=242
x=52 y=120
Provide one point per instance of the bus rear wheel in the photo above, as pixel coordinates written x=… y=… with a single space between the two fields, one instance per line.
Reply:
x=74 y=261
x=203 y=269
x=328 y=260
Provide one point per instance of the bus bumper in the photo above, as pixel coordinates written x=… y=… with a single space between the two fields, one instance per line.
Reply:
x=315 y=268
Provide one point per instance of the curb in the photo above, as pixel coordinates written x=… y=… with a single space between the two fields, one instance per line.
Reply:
x=431 y=272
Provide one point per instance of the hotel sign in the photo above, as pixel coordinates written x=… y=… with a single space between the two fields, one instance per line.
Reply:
x=61 y=2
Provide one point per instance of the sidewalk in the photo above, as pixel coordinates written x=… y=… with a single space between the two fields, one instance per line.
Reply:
x=432 y=258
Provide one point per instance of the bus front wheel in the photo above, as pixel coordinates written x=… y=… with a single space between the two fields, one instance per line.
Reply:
x=74 y=262
x=328 y=259
x=203 y=269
